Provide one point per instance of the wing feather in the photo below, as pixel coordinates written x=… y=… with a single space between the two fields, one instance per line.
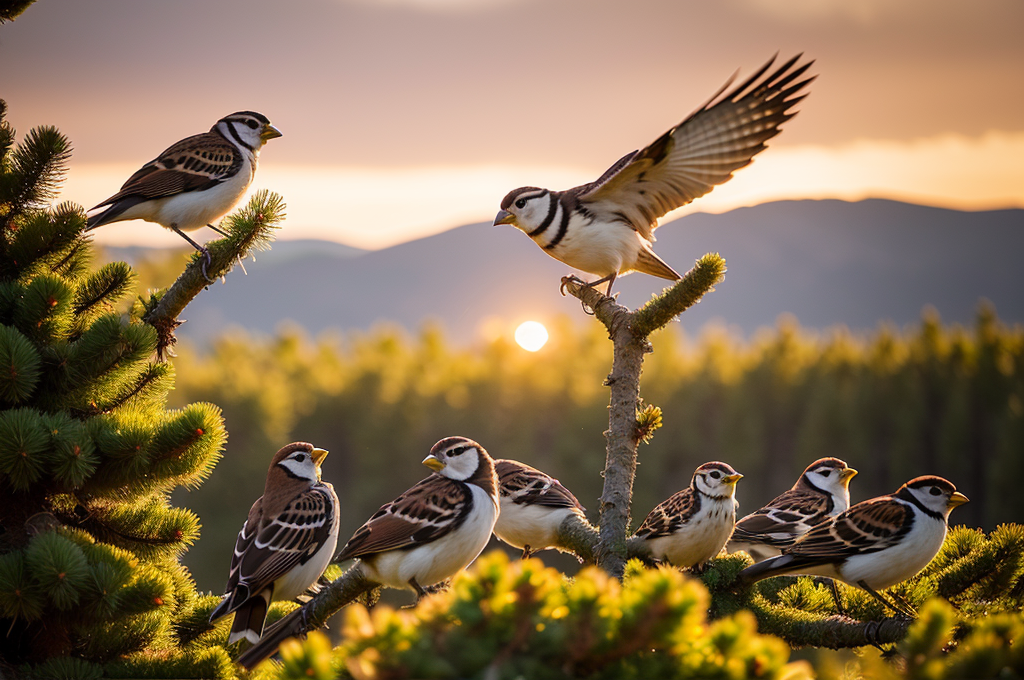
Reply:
x=670 y=515
x=526 y=485
x=427 y=511
x=701 y=152
x=867 y=527
x=195 y=163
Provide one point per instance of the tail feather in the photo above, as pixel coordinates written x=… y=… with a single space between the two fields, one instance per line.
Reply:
x=779 y=566
x=112 y=213
x=249 y=619
x=649 y=263
x=288 y=627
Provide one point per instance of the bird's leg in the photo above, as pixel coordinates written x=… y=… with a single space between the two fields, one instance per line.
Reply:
x=239 y=256
x=836 y=598
x=902 y=601
x=201 y=249
x=526 y=552
x=420 y=592
x=610 y=279
x=571 y=278
x=888 y=603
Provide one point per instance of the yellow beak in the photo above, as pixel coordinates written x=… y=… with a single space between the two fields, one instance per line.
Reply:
x=433 y=463
x=269 y=132
x=732 y=479
x=848 y=474
x=318 y=455
x=957 y=499
x=504 y=217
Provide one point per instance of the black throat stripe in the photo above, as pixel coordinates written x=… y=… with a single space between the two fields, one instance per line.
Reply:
x=553 y=207
x=562 y=228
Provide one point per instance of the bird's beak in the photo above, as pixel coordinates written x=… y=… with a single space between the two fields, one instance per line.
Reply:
x=957 y=499
x=269 y=132
x=318 y=455
x=504 y=217
x=732 y=479
x=434 y=463
x=848 y=474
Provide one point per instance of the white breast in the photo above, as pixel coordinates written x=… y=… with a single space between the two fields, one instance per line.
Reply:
x=597 y=247
x=522 y=525
x=701 y=538
x=435 y=561
x=902 y=561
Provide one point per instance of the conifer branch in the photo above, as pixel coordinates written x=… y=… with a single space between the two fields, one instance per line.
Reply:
x=628 y=332
x=310 y=616
x=250 y=228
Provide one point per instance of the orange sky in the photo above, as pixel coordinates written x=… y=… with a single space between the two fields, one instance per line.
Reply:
x=406 y=117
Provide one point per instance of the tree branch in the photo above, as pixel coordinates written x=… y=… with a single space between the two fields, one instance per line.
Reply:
x=248 y=228
x=310 y=616
x=628 y=332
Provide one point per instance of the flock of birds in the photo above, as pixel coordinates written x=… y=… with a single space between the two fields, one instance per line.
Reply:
x=439 y=526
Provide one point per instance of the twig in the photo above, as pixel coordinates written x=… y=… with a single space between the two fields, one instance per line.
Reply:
x=628 y=332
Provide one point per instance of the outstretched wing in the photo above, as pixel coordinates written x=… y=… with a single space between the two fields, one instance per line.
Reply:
x=526 y=485
x=424 y=513
x=672 y=514
x=266 y=551
x=700 y=153
x=194 y=164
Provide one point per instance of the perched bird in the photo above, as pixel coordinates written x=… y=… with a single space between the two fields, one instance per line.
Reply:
x=533 y=506
x=876 y=543
x=286 y=542
x=606 y=227
x=436 y=528
x=694 y=525
x=822 y=492
x=194 y=182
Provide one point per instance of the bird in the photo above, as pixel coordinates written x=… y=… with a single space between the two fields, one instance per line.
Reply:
x=533 y=506
x=875 y=544
x=821 y=492
x=437 y=527
x=285 y=543
x=606 y=227
x=694 y=525
x=194 y=182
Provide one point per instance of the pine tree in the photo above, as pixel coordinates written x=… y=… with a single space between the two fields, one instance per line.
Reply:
x=90 y=582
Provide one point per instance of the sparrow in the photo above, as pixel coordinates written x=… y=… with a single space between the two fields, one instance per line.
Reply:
x=876 y=543
x=694 y=525
x=286 y=542
x=821 y=492
x=194 y=182
x=533 y=505
x=607 y=227
x=436 y=528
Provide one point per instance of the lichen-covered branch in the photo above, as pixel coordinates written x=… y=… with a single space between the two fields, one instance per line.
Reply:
x=250 y=228
x=709 y=271
x=805 y=629
x=628 y=332
x=310 y=616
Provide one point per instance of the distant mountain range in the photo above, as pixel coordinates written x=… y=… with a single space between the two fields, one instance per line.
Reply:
x=826 y=262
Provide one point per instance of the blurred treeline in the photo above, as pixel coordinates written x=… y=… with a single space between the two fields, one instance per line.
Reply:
x=894 y=404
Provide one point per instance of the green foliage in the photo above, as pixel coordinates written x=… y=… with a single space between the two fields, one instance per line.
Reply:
x=929 y=399
x=982 y=576
x=90 y=584
x=520 y=619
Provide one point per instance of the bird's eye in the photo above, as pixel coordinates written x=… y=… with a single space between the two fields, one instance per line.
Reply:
x=826 y=473
x=716 y=474
x=252 y=124
x=521 y=203
x=459 y=451
x=935 y=491
x=301 y=458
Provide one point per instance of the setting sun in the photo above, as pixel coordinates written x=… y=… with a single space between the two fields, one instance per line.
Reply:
x=531 y=335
